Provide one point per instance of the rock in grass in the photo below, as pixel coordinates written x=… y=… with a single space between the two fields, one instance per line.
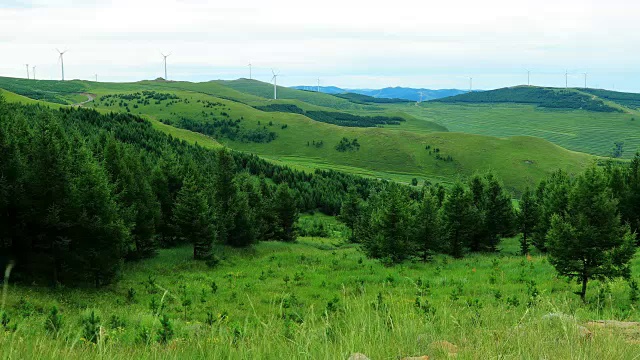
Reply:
x=358 y=356
x=424 y=357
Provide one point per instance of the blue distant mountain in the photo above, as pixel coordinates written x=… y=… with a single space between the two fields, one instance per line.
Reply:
x=389 y=92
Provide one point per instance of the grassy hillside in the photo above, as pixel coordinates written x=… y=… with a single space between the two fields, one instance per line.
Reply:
x=395 y=152
x=629 y=100
x=552 y=98
x=585 y=131
x=322 y=299
x=366 y=99
x=265 y=91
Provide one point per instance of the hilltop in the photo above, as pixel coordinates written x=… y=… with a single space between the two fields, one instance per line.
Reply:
x=544 y=97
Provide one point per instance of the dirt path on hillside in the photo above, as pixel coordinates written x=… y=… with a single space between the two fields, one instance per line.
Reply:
x=90 y=97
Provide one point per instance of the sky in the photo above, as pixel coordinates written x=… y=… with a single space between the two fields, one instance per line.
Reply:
x=345 y=43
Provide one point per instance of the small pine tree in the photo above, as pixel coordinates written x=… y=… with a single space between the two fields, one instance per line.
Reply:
x=589 y=242
x=165 y=333
x=191 y=217
x=53 y=322
x=350 y=210
x=287 y=213
x=526 y=219
x=460 y=220
x=427 y=237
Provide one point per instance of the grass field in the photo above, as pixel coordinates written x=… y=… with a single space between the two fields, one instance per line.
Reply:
x=589 y=132
x=320 y=298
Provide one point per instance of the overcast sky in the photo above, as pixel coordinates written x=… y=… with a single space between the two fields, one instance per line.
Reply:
x=430 y=44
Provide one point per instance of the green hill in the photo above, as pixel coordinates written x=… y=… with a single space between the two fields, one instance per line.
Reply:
x=629 y=100
x=215 y=113
x=590 y=132
x=544 y=97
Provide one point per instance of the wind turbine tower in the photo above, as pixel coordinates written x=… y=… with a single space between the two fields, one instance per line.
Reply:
x=566 y=79
x=34 y=72
x=275 y=84
x=528 y=78
x=61 y=61
x=27 y=65
x=470 y=84
x=250 y=77
x=165 y=64
x=96 y=77
x=318 y=84
x=585 y=80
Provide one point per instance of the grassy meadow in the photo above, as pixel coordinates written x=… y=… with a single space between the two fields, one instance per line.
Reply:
x=321 y=298
x=583 y=131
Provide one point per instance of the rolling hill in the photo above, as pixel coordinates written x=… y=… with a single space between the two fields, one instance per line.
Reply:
x=544 y=97
x=229 y=113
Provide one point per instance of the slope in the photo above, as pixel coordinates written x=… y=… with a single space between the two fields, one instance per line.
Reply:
x=552 y=98
x=294 y=139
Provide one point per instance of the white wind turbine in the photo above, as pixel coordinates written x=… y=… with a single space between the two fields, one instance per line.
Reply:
x=275 y=84
x=61 y=61
x=250 y=77
x=34 y=72
x=165 y=64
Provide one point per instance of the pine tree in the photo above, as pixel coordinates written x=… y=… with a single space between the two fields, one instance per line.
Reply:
x=630 y=204
x=225 y=191
x=427 y=225
x=499 y=215
x=139 y=206
x=589 y=242
x=459 y=219
x=48 y=183
x=552 y=198
x=526 y=219
x=97 y=233
x=286 y=210
x=481 y=237
x=350 y=211
x=391 y=228
x=243 y=231
x=192 y=218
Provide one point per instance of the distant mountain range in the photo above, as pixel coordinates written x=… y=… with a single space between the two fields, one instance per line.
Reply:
x=389 y=92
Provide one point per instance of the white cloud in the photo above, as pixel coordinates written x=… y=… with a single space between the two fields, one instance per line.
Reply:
x=353 y=43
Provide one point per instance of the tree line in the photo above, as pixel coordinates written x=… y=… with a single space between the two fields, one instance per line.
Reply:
x=586 y=223
x=81 y=192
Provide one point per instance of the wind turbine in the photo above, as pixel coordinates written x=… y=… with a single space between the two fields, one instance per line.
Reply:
x=27 y=65
x=275 y=84
x=165 y=64
x=528 y=78
x=470 y=84
x=34 y=72
x=249 y=71
x=585 y=80
x=318 y=84
x=421 y=95
x=96 y=77
x=566 y=79
x=62 y=61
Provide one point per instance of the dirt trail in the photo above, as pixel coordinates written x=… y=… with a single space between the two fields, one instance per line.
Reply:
x=90 y=97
